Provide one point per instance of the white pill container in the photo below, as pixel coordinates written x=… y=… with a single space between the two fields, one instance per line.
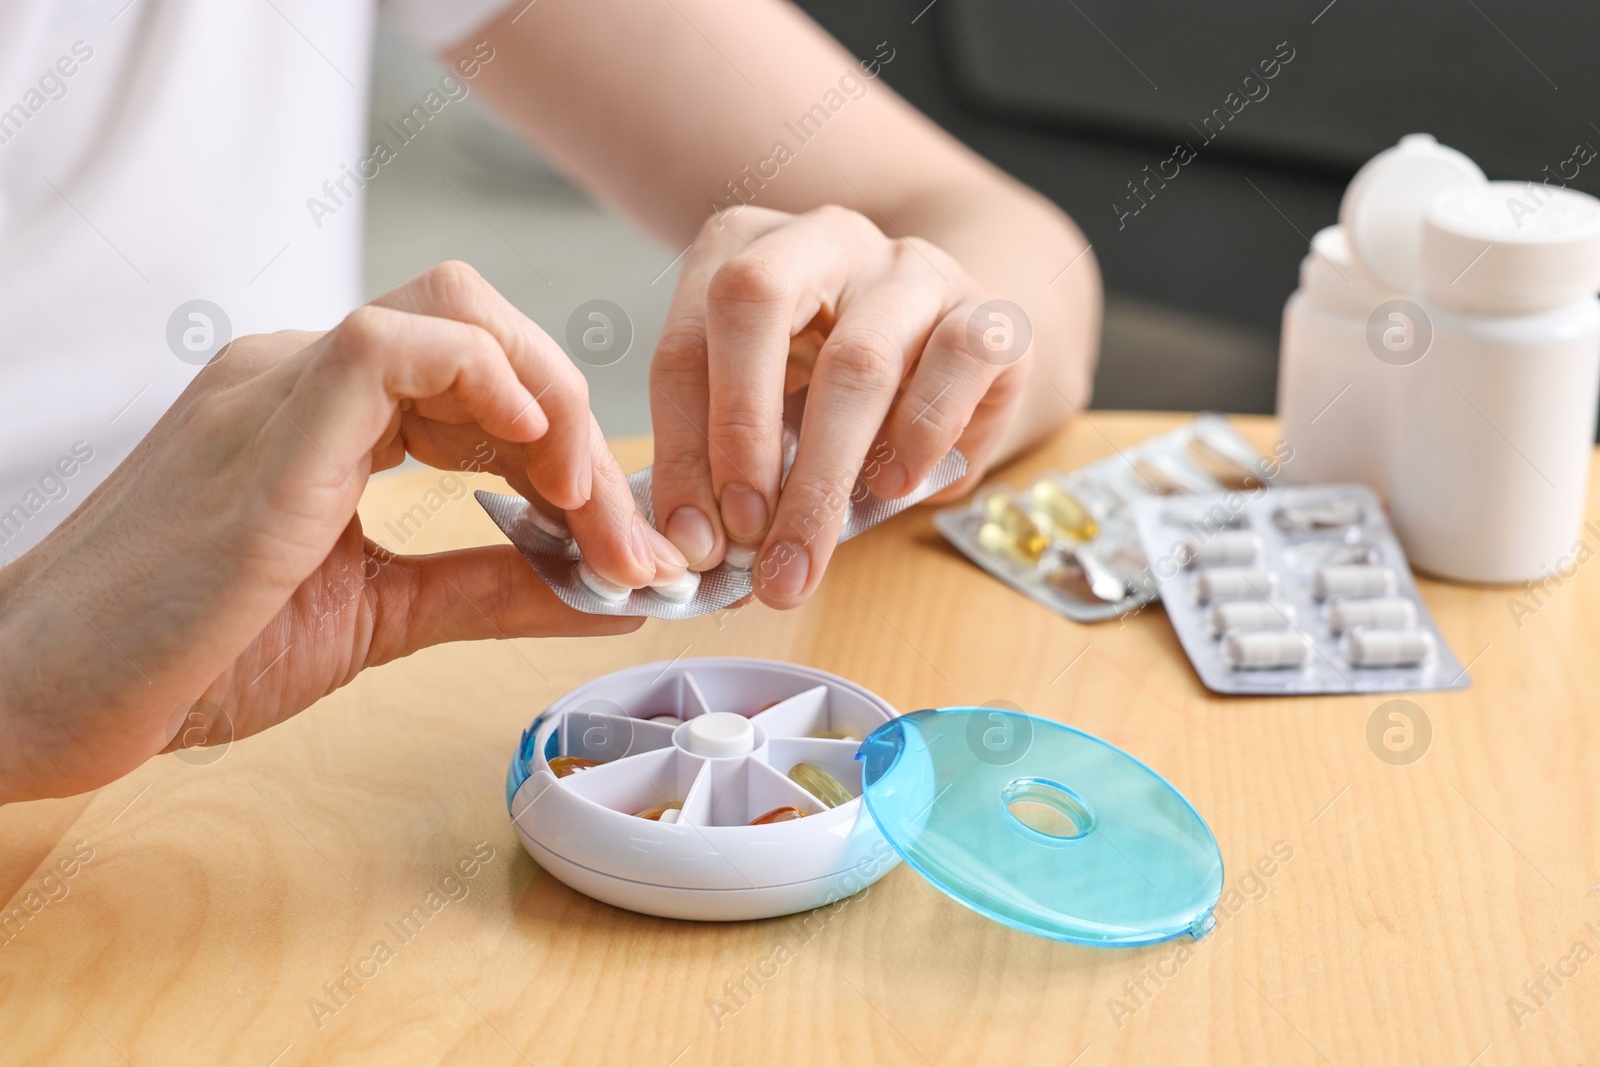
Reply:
x=1347 y=339
x=1334 y=398
x=742 y=724
x=1492 y=446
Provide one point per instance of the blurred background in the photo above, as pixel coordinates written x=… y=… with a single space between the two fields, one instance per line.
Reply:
x=1085 y=100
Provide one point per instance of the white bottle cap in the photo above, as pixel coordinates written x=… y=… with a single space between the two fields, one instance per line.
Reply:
x=720 y=733
x=1335 y=279
x=1511 y=247
x=1383 y=207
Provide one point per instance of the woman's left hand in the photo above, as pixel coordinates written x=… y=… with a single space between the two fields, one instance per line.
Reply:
x=906 y=356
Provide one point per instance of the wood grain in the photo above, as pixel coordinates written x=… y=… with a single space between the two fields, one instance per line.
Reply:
x=1418 y=899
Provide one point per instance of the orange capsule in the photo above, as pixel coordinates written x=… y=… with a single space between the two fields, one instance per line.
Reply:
x=562 y=766
x=655 y=811
x=787 y=813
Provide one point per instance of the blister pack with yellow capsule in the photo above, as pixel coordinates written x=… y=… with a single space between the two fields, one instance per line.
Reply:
x=1068 y=540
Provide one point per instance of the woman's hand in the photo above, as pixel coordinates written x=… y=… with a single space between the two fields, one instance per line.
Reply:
x=905 y=353
x=223 y=560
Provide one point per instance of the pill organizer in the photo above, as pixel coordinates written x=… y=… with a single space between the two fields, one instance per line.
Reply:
x=678 y=760
x=1294 y=590
x=1068 y=540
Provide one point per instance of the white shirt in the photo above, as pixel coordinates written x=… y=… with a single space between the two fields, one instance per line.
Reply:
x=159 y=152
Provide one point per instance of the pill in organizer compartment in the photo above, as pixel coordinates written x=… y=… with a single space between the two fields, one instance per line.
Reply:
x=1265 y=649
x=1353 y=580
x=1227 y=548
x=820 y=784
x=1379 y=613
x=1251 y=615
x=1387 y=648
x=1234 y=583
x=562 y=766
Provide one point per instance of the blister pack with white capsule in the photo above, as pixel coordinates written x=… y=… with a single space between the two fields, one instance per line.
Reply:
x=1069 y=541
x=550 y=550
x=1294 y=590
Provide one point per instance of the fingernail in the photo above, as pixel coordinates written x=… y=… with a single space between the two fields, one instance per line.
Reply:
x=891 y=479
x=690 y=530
x=783 y=570
x=744 y=512
x=670 y=563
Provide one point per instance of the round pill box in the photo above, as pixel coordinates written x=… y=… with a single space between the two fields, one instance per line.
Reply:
x=710 y=864
x=1025 y=820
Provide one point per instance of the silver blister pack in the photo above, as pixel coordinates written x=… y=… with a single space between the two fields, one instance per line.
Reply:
x=555 y=557
x=1294 y=590
x=1087 y=564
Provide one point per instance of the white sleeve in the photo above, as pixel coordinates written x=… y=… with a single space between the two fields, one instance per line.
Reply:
x=439 y=24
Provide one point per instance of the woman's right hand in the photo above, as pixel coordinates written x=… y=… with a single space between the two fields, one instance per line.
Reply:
x=223 y=562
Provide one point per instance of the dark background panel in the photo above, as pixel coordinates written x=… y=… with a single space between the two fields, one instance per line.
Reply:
x=1079 y=98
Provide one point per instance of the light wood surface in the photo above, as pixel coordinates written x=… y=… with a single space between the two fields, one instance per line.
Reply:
x=219 y=899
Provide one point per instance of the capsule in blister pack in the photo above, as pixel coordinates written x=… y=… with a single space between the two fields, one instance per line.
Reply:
x=548 y=546
x=1294 y=590
x=1068 y=540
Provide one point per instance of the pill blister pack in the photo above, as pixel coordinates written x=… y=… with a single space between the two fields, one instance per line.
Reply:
x=1069 y=541
x=703 y=789
x=1294 y=590
x=550 y=550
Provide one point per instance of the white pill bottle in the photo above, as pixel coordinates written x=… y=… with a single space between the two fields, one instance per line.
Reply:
x=1496 y=421
x=1333 y=397
x=1347 y=338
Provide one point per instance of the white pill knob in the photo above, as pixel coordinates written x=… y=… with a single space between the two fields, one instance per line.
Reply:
x=1380 y=613
x=741 y=557
x=720 y=733
x=608 y=591
x=1388 y=648
x=1234 y=583
x=1226 y=548
x=1352 y=580
x=1265 y=649
x=681 y=590
x=1251 y=615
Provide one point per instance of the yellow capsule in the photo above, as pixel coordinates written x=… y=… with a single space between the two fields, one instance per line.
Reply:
x=820 y=784
x=835 y=735
x=787 y=813
x=655 y=811
x=1008 y=520
x=1066 y=513
x=562 y=766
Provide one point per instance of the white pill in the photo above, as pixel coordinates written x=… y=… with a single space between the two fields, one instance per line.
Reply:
x=1251 y=615
x=670 y=815
x=1234 y=583
x=601 y=588
x=547 y=524
x=1379 y=613
x=720 y=733
x=1352 y=580
x=1319 y=515
x=679 y=591
x=1387 y=648
x=1226 y=548
x=1264 y=649
x=668 y=720
x=741 y=557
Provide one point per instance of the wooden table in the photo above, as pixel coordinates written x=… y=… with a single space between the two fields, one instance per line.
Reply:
x=1415 y=902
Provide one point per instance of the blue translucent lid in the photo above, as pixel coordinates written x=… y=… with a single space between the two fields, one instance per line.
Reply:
x=1042 y=827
